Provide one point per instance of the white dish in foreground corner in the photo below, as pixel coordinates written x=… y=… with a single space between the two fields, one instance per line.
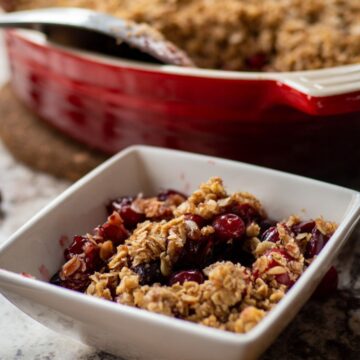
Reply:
x=138 y=334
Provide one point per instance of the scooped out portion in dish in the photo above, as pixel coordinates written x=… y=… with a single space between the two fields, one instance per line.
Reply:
x=212 y=258
x=252 y=35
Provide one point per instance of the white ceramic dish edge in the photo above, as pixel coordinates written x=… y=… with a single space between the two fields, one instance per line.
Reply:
x=15 y=282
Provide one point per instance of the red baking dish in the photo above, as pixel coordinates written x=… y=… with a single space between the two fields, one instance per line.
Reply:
x=306 y=122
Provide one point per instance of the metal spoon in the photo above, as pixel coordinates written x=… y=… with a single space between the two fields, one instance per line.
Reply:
x=100 y=32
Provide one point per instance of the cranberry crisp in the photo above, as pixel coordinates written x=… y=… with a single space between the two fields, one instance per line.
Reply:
x=212 y=258
x=246 y=35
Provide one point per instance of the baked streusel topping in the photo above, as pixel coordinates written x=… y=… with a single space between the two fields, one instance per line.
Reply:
x=276 y=35
x=212 y=258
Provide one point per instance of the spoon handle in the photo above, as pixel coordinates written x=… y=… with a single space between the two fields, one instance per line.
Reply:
x=138 y=36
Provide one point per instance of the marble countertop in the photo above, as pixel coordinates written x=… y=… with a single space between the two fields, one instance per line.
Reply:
x=327 y=329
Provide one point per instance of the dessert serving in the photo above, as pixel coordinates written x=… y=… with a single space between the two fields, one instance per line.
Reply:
x=137 y=293
x=212 y=258
x=265 y=35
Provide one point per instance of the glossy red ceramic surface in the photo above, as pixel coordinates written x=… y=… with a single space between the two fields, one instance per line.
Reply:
x=110 y=106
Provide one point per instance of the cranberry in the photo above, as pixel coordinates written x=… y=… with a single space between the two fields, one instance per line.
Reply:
x=117 y=204
x=197 y=219
x=187 y=275
x=92 y=258
x=246 y=212
x=271 y=235
x=164 y=195
x=284 y=279
x=303 y=227
x=117 y=234
x=229 y=226
x=316 y=243
x=256 y=61
x=123 y=206
x=266 y=224
x=131 y=217
x=196 y=252
x=149 y=273
x=76 y=247
x=328 y=284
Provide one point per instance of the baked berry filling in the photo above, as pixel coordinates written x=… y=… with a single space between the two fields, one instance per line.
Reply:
x=213 y=258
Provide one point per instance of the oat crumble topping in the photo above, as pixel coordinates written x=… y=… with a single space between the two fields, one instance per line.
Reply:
x=217 y=260
x=269 y=35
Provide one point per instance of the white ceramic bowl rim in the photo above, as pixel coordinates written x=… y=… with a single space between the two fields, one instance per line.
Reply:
x=353 y=214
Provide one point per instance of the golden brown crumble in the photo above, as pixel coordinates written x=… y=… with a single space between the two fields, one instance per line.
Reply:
x=229 y=295
x=211 y=199
x=279 y=35
x=154 y=208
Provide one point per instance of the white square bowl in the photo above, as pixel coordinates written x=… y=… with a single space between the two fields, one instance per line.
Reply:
x=138 y=334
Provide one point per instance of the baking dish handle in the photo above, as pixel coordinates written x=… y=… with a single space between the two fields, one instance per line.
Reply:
x=321 y=92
